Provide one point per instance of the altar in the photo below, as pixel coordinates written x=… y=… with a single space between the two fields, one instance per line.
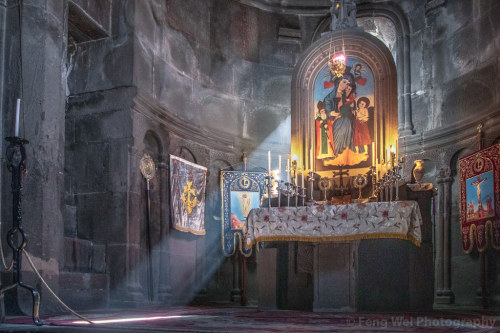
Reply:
x=328 y=257
x=322 y=223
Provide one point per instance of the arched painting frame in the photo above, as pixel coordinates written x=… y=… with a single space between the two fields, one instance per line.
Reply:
x=375 y=57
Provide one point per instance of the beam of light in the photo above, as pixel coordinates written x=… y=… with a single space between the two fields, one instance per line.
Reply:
x=127 y=320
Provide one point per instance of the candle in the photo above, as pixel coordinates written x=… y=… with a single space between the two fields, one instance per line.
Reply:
x=303 y=175
x=18 y=109
x=279 y=165
x=373 y=153
x=311 y=158
x=269 y=162
x=397 y=152
x=287 y=170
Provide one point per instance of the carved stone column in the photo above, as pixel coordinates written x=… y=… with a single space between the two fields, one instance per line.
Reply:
x=164 y=289
x=444 y=295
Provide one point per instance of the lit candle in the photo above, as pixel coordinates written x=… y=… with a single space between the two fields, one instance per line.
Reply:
x=18 y=110
x=269 y=162
x=373 y=153
x=311 y=158
x=287 y=170
x=397 y=152
x=279 y=164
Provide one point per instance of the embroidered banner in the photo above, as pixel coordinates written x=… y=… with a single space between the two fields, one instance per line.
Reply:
x=480 y=198
x=187 y=195
x=241 y=191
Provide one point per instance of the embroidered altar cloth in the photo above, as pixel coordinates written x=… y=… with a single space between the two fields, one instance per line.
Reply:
x=326 y=223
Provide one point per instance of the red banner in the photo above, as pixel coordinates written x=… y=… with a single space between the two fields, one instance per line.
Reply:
x=480 y=199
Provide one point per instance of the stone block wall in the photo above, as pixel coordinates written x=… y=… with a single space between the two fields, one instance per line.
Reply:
x=454 y=56
x=106 y=81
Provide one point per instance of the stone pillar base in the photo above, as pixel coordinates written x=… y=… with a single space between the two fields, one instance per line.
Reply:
x=444 y=297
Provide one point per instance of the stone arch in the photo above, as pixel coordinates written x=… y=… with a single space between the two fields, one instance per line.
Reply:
x=152 y=144
x=362 y=46
x=185 y=153
x=392 y=12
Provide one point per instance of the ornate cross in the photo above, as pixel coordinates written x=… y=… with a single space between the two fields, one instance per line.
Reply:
x=341 y=173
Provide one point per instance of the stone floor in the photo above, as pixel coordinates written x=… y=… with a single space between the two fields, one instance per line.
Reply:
x=251 y=319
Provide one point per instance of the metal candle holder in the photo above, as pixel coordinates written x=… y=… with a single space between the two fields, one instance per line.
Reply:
x=269 y=187
x=392 y=178
x=311 y=184
x=374 y=183
x=279 y=188
x=397 y=179
x=380 y=188
x=303 y=195
x=289 y=191
x=296 y=194
x=16 y=163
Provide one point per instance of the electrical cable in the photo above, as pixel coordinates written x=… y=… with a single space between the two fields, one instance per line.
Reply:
x=21 y=93
x=6 y=268
x=52 y=292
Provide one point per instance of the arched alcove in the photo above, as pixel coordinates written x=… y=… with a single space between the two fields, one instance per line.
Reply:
x=377 y=57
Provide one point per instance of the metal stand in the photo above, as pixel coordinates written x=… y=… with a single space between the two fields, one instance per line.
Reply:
x=303 y=195
x=148 y=243
x=296 y=194
x=269 y=188
x=289 y=191
x=279 y=188
x=311 y=184
x=373 y=197
x=147 y=166
x=16 y=163
x=397 y=180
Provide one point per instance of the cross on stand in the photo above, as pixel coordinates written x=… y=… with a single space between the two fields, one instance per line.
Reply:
x=341 y=173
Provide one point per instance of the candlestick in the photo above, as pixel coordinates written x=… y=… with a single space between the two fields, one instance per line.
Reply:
x=18 y=110
x=269 y=162
x=311 y=184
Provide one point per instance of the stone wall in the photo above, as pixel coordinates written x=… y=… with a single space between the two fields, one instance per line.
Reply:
x=105 y=82
x=454 y=65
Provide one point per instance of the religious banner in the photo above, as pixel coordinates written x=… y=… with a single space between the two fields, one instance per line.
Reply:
x=241 y=191
x=480 y=198
x=187 y=198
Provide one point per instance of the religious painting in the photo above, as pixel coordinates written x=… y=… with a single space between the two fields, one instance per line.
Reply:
x=241 y=192
x=480 y=198
x=187 y=198
x=344 y=117
x=241 y=204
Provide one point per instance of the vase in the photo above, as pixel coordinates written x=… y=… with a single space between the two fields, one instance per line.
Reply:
x=418 y=171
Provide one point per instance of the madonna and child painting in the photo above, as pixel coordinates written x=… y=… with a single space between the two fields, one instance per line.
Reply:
x=344 y=116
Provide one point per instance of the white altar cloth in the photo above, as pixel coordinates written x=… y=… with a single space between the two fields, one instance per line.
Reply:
x=327 y=223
